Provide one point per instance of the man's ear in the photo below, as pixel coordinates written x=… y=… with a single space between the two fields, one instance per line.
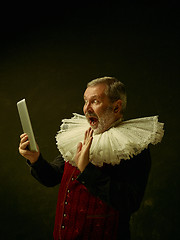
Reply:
x=117 y=106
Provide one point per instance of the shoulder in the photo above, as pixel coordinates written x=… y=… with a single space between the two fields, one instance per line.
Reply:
x=136 y=166
x=139 y=162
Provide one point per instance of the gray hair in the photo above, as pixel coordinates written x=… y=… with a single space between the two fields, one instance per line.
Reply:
x=115 y=89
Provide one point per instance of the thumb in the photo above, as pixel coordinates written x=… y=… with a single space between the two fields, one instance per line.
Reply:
x=79 y=147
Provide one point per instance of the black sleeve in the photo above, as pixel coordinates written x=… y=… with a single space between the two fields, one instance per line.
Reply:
x=48 y=173
x=121 y=186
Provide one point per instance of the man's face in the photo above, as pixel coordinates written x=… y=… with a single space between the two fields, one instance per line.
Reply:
x=98 y=109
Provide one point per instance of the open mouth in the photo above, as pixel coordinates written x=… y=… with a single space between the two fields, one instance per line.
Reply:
x=93 y=121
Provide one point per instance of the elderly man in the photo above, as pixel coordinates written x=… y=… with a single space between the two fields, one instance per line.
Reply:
x=103 y=176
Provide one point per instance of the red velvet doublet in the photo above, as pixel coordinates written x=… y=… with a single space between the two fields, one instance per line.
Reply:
x=79 y=214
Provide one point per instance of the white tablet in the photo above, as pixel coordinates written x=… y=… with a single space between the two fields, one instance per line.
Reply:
x=26 y=124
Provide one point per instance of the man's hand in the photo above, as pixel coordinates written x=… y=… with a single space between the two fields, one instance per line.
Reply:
x=30 y=155
x=82 y=154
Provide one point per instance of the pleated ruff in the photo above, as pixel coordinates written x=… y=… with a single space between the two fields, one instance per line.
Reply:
x=122 y=141
x=79 y=214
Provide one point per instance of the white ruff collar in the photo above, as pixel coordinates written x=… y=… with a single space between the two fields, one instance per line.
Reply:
x=121 y=141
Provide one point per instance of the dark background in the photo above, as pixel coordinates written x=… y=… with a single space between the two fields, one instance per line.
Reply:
x=47 y=55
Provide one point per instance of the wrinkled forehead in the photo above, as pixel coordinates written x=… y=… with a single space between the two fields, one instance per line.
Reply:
x=98 y=90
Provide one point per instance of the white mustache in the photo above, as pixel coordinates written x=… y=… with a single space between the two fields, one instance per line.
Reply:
x=91 y=115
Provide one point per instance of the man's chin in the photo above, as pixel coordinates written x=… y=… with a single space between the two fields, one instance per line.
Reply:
x=98 y=130
x=95 y=128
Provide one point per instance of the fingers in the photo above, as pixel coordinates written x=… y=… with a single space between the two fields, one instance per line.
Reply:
x=91 y=132
x=30 y=155
x=88 y=139
x=22 y=135
x=24 y=142
x=88 y=135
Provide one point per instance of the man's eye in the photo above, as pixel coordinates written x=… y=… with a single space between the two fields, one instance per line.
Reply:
x=95 y=101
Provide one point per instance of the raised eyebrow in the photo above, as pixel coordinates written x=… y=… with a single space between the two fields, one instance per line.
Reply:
x=93 y=97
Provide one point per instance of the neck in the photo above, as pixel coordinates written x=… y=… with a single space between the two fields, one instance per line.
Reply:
x=117 y=122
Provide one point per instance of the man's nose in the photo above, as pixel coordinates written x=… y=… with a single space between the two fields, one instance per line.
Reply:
x=88 y=108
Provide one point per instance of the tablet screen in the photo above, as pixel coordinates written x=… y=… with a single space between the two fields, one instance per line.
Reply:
x=26 y=124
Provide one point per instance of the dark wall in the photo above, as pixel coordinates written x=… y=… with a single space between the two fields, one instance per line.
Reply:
x=47 y=58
